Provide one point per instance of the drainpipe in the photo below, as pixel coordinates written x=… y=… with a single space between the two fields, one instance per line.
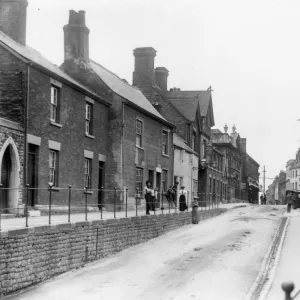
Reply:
x=26 y=127
x=122 y=144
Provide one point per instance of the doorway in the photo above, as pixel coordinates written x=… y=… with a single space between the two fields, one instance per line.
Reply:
x=6 y=169
x=32 y=178
x=151 y=177
x=101 y=184
x=158 y=185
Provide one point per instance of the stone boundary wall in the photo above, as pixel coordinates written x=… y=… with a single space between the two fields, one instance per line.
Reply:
x=31 y=255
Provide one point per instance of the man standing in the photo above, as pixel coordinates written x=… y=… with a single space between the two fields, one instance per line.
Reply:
x=289 y=201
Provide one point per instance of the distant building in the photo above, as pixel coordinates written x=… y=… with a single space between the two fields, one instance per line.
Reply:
x=186 y=162
x=190 y=111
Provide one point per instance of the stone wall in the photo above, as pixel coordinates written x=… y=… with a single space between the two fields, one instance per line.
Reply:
x=31 y=255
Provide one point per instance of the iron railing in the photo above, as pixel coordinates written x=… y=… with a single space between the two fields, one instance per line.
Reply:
x=73 y=204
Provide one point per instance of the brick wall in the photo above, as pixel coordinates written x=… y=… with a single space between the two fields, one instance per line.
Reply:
x=32 y=255
x=71 y=136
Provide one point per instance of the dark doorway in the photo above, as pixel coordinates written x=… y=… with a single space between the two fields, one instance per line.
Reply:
x=6 y=169
x=32 y=174
x=151 y=177
x=101 y=184
x=158 y=185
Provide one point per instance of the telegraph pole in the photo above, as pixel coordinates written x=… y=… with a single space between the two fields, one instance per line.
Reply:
x=264 y=171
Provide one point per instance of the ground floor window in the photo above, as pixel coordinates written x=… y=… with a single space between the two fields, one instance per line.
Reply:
x=87 y=173
x=53 y=167
x=139 y=180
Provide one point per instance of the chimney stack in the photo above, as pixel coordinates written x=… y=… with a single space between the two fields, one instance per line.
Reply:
x=143 y=65
x=13 y=19
x=76 y=37
x=161 y=78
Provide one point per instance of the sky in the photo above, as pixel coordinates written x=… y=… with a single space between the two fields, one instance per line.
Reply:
x=248 y=51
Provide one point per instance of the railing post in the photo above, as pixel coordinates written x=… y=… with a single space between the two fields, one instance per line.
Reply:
x=85 y=190
x=136 y=196
x=115 y=199
x=187 y=201
x=288 y=287
x=162 y=202
x=69 y=210
x=0 y=208
x=26 y=207
x=175 y=200
x=126 y=199
x=50 y=200
x=101 y=205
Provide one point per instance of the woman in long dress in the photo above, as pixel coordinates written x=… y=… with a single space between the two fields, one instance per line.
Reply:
x=149 y=197
x=182 y=199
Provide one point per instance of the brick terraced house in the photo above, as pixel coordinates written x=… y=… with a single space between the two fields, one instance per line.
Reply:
x=190 y=111
x=62 y=123
x=140 y=139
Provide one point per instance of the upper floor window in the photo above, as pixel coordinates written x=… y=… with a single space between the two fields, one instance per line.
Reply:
x=194 y=141
x=204 y=148
x=165 y=140
x=139 y=133
x=54 y=113
x=89 y=118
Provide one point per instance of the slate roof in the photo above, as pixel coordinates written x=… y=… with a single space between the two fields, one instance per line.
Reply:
x=180 y=143
x=179 y=99
x=125 y=90
x=34 y=56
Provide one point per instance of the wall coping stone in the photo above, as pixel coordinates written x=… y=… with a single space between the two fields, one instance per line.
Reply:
x=62 y=226
x=125 y=220
x=84 y=223
x=42 y=228
x=98 y=222
x=3 y=234
x=18 y=231
x=112 y=221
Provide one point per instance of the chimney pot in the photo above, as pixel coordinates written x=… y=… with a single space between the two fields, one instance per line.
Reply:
x=76 y=37
x=13 y=15
x=144 y=65
x=161 y=78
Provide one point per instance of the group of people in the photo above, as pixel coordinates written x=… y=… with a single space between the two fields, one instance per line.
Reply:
x=263 y=199
x=151 y=197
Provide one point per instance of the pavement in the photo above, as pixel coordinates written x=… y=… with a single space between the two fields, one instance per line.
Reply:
x=288 y=268
x=218 y=258
x=19 y=223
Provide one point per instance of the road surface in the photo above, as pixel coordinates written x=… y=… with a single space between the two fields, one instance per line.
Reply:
x=216 y=259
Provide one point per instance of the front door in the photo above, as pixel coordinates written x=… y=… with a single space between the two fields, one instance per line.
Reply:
x=158 y=185
x=5 y=178
x=32 y=174
x=151 y=177
x=101 y=182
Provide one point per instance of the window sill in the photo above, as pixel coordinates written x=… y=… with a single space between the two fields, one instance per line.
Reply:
x=89 y=136
x=55 y=124
x=55 y=188
x=88 y=192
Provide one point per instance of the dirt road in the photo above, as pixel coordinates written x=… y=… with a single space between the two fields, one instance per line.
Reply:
x=216 y=259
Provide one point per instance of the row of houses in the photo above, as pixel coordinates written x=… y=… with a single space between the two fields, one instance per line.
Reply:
x=83 y=126
x=286 y=180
